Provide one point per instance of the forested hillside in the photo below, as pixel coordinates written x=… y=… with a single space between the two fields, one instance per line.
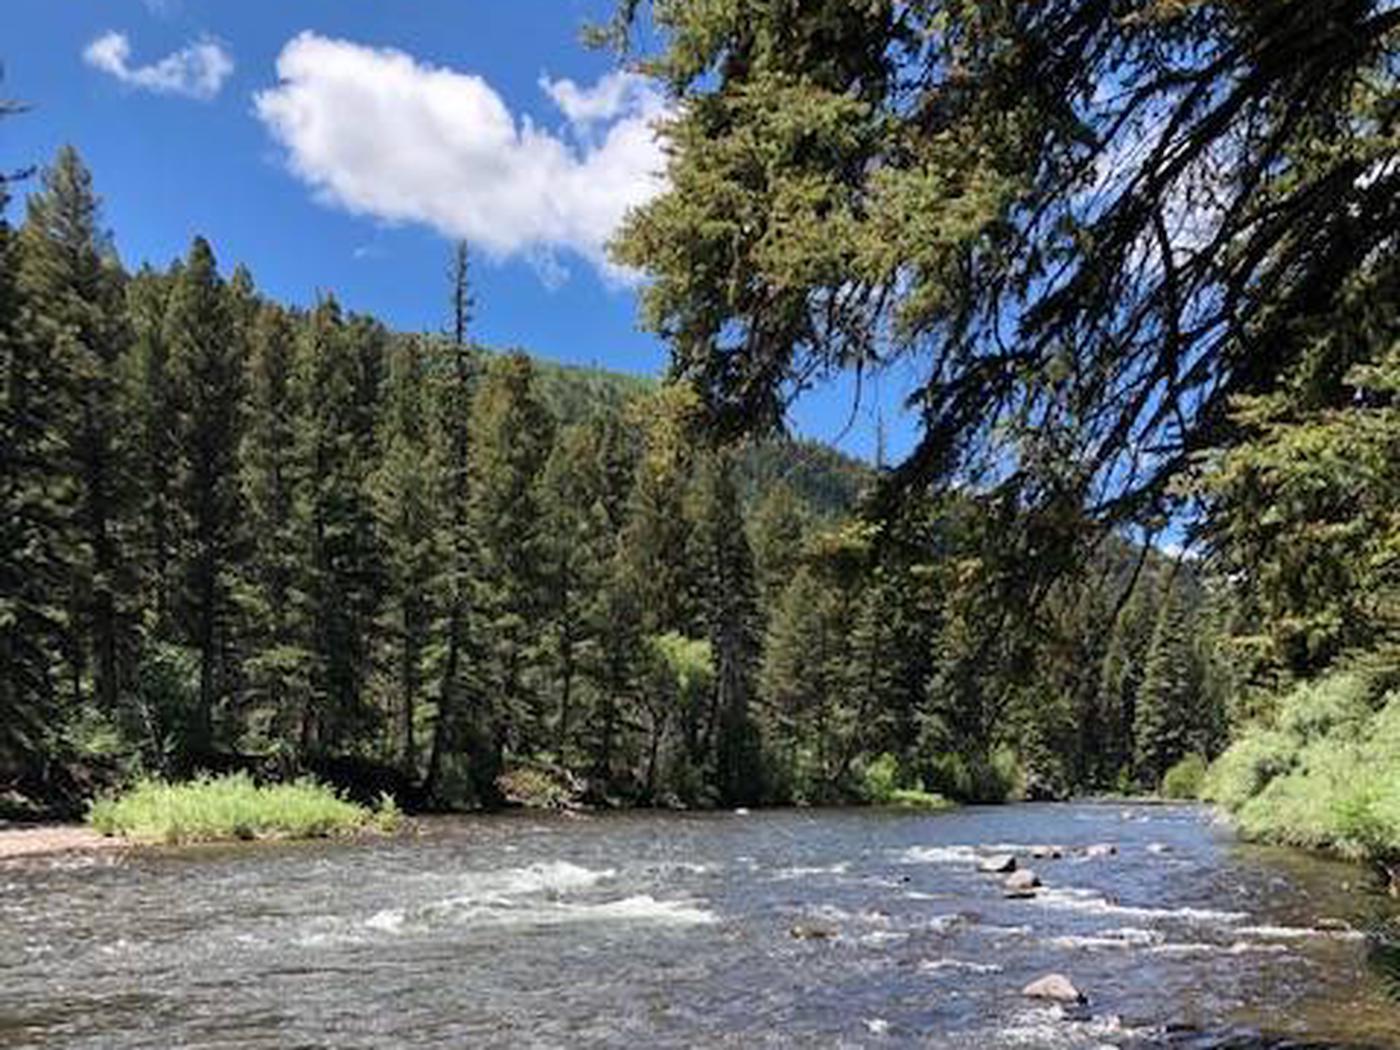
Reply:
x=244 y=535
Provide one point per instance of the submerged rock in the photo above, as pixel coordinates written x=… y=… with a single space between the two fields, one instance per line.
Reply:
x=1057 y=988
x=803 y=932
x=998 y=864
x=1158 y=847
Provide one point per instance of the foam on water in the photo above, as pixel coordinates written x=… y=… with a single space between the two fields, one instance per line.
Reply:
x=1092 y=903
x=950 y=965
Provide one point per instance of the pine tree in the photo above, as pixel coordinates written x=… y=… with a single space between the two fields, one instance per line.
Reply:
x=33 y=539
x=454 y=389
x=151 y=412
x=582 y=492
x=1168 y=700
x=278 y=661
x=407 y=490
x=206 y=371
x=511 y=434
x=72 y=283
x=730 y=598
x=340 y=579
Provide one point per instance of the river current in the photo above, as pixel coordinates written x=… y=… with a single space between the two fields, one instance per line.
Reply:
x=780 y=928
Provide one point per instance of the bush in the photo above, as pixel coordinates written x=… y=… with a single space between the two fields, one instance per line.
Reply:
x=880 y=785
x=1327 y=777
x=1184 y=779
x=212 y=809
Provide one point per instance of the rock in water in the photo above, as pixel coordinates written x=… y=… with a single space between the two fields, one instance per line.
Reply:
x=812 y=933
x=1055 y=987
x=1021 y=881
x=998 y=864
x=1047 y=852
x=1104 y=849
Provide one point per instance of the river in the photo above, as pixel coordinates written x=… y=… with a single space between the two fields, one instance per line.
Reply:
x=777 y=928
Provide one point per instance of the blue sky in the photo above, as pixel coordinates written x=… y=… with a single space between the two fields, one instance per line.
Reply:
x=333 y=145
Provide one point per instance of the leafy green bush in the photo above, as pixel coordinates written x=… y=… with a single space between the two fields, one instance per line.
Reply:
x=1327 y=777
x=234 y=807
x=880 y=785
x=1184 y=779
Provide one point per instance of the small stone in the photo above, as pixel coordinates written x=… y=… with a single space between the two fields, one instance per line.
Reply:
x=1158 y=847
x=1056 y=987
x=998 y=864
x=812 y=933
x=1330 y=925
x=1047 y=852
x=1024 y=879
x=1102 y=849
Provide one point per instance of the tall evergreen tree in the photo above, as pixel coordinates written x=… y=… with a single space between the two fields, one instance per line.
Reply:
x=72 y=283
x=277 y=666
x=731 y=616
x=1168 y=701
x=511 y=435
x=407 y=490
x=207 y=371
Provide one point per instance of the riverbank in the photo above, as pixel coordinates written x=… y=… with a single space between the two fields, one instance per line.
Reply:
x=47 y=839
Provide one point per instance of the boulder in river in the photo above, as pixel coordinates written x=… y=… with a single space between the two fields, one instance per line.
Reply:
x=998 y=864
x=1055 y=987
x=1047 y=852
x=1022 y=881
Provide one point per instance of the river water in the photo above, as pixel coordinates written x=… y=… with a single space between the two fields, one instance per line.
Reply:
x=673 y=930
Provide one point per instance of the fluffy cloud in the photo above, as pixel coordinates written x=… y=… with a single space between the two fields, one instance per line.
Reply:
x=197 y=71
x=380 y=134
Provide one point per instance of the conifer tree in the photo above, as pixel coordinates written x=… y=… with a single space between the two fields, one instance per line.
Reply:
x=206 y=371
x=33 y=568
x=1168 y=700
x=511 y=434
x=339 y=583
x=151 y=414
x=407 y=490
x=72 y=285
x=277 y=667
x=725 y=564
x=457 y=376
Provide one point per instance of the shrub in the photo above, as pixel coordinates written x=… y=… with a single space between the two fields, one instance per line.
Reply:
x=234 y=807
x=976 y=778
x=880 y=784
x=1328 y=777
x=1184 y=779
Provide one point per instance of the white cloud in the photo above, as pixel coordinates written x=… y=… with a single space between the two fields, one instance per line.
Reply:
x=195 y=71
x=380 y=134
x=615 y=94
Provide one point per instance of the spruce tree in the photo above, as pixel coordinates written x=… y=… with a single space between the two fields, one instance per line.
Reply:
x=33 y=535
x=1168 y=699
x=206 y=372
x=730 y=603
x=339 y=582
x=511 y=435
x=407 y=490
x=72 y=284
x=278 y=660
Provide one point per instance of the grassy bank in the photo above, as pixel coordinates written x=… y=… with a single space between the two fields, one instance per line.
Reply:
x=234 y=807
x=1322 y=773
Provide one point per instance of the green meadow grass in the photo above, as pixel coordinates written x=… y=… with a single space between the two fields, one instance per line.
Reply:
x=213 y=809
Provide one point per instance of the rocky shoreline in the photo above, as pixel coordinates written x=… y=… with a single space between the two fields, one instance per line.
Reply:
x=19 y=841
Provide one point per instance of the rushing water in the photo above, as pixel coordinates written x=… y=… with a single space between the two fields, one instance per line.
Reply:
x=679 y=930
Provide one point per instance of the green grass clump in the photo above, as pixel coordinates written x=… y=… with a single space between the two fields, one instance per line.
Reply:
x=912 y=798
x=1184 y=779
x=1325 y=775
x=213 y=809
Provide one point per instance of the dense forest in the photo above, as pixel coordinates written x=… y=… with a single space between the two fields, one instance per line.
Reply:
x=240 y=535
